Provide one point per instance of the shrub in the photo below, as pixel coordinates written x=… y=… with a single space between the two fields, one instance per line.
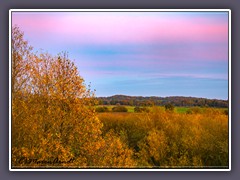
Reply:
x=169 y=107
x=119 y=109
x=102 y=109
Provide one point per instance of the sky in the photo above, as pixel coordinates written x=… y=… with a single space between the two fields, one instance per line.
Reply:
x=138 y=53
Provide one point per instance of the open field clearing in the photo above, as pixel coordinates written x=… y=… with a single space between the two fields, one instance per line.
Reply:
x=130 y=109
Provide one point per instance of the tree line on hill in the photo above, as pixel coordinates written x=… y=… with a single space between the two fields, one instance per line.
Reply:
x=161 y=101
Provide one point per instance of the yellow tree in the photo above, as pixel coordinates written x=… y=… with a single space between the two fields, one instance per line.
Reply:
x=21 y=53
x=61 y=122
x=55 y=118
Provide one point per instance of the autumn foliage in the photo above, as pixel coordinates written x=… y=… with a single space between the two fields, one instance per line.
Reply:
x=53 y=119
x=54 y=123
x=164 y=139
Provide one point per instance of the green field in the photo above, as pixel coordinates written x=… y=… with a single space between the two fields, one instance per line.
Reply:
x=181 y=109
x=129 y=108
x=176 y=109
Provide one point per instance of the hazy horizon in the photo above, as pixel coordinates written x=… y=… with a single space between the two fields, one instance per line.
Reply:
x=161 y=96
x=138 y=53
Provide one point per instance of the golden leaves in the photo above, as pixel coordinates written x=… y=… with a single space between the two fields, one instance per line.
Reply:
x=161 y=139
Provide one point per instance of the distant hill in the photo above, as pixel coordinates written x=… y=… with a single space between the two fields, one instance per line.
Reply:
x=161 y=101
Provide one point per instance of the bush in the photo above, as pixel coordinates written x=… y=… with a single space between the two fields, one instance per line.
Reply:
x=169 y=107
x=102 y=109
x=119 y=109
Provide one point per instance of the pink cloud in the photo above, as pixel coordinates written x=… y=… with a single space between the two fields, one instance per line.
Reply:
x=190 y=75
x=108 y=28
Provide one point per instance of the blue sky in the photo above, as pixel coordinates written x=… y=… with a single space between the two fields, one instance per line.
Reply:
x=146 y=54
